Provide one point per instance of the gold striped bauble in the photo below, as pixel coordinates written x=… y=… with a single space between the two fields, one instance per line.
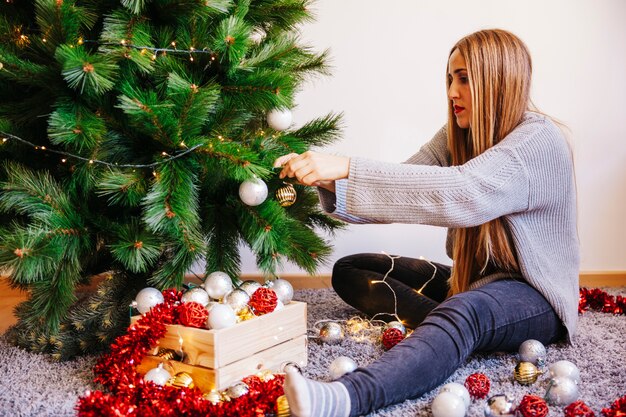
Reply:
x=282 y=406
x=526 y=373
x=286 y=195
x=182 y=380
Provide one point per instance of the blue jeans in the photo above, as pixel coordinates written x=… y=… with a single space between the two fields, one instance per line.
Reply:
x=498 y=316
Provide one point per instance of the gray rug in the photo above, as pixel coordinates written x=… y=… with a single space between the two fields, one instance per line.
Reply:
x=34 y=385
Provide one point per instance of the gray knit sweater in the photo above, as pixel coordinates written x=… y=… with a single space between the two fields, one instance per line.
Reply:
x=528 y=178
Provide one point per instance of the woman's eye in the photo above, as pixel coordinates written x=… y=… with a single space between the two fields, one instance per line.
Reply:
x=463 y=79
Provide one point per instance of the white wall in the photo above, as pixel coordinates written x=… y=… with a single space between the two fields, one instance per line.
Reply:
x=389 y=62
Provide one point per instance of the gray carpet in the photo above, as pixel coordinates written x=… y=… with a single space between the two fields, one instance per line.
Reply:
x=34 y=385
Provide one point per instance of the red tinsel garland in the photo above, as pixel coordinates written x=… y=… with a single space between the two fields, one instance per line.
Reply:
x=533 y=406
x=391 y=337
x=598 y=300
x=618 y=408
x=130 y=395
x=478 y=385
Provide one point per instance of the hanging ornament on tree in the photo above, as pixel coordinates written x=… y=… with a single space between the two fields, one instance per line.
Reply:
x=221 y=316
x=263 y=301
x=158 y=375
x=279 y=119
x=196 y=295
x=147 y=298
x=478 y=385
x=249 y=286
x=561 y=390
x=217 y=284
x=446 y=404
x=532 y=351
x=526 y=373
x=286 y=195
x=253 y=191
x=391 y=337
x=565 y=369
x=532 y=406
x=578 y=409
x=257 y=35
x=331 y=333
x=499 y=405
x=341 y=366
x=193 y=314
x=458 y=390
x=282 y=288
x=237 y=300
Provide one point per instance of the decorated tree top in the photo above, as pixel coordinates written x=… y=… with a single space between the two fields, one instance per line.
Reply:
x=126 y=130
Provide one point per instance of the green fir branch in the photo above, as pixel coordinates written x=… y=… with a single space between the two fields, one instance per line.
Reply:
x=92 y=74
x=124 y=188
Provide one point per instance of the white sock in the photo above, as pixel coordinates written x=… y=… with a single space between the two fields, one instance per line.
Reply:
x=308 y=398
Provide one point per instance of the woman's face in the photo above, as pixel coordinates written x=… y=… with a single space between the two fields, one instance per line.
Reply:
x=459 y=90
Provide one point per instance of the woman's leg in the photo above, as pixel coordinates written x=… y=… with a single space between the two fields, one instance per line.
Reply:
x=498 y=316
x=354 y=281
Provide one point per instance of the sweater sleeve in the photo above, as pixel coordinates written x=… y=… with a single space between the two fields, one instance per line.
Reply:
x=434 y=152
x=487 y=187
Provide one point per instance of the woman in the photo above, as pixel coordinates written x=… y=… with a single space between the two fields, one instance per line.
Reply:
x=500 y=178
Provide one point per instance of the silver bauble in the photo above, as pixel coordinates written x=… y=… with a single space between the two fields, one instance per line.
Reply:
x=279 y=305
x=196 y=294
x=340 y=366
x=237 y=390
x=565 y=369
x=221 y=316
x=458 y=390
x=446 y=404
x=217 y=284
x=279 y=119
x=396 y=325
x=282 y=288
x=158 y=375
x=147 y=298
x=533 y=351
x=561 y=391
x=253 y=191
x=331 y=333
x=499 y=405
x=250 y=286
x=237 y=300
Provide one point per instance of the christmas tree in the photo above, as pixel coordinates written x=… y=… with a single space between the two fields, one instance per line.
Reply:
x=126 y=130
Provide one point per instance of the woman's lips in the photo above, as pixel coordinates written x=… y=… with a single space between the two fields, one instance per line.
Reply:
x=458 y=109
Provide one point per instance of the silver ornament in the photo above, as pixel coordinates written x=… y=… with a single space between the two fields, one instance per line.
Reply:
x=283 y=289
x=341 y=366
x=532 y=351
x=237 y=300
x=158 y=375
x=197 y=295
x=279 y=119
x=221 y=316
x=289 y=366
x=249 y=286
x=499 y=405
x=561 y=391
x=148 y=298
x=331 y=333
x=446 y=404
x=217 y=284
x=565 y=369
x=458 y=390
x=396 y=325
x=253 y=191
x=237 y=390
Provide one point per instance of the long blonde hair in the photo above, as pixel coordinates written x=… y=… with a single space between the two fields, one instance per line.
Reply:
x=499 y=71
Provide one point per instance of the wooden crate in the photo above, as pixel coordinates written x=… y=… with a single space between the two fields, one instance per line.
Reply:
x=217 y=358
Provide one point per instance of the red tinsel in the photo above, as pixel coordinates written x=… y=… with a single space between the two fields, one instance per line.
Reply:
x=618 y=408
x=533 y=406
x=130 y=395
x=598 y=300
x=172 y=296
x=578 y=409
x=478 y=385
x=391 y=337
x=263 y=300
x=192 y=314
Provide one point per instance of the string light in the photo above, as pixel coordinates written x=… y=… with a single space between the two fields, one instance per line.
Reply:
x=155 y=51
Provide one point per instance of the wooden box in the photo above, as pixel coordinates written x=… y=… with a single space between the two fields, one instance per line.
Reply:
x=216 y=359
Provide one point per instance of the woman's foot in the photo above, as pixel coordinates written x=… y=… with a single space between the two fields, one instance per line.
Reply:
x=308 y=398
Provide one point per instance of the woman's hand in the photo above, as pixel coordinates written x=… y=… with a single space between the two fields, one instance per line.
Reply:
x=312 y=168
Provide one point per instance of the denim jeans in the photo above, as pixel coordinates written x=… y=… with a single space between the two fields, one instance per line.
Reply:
x=498 y=316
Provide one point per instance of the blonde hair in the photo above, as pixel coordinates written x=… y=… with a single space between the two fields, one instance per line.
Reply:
x=499 y=71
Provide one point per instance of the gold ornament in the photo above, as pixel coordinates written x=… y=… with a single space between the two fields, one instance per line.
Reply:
x=286 y=195
x=182 y=380
x=526 y=373
x=214 y=396
x=245 y=314
x=168 y=354
x=282 y=406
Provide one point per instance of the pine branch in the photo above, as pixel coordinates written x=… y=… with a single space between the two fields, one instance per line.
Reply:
x=320 y=132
